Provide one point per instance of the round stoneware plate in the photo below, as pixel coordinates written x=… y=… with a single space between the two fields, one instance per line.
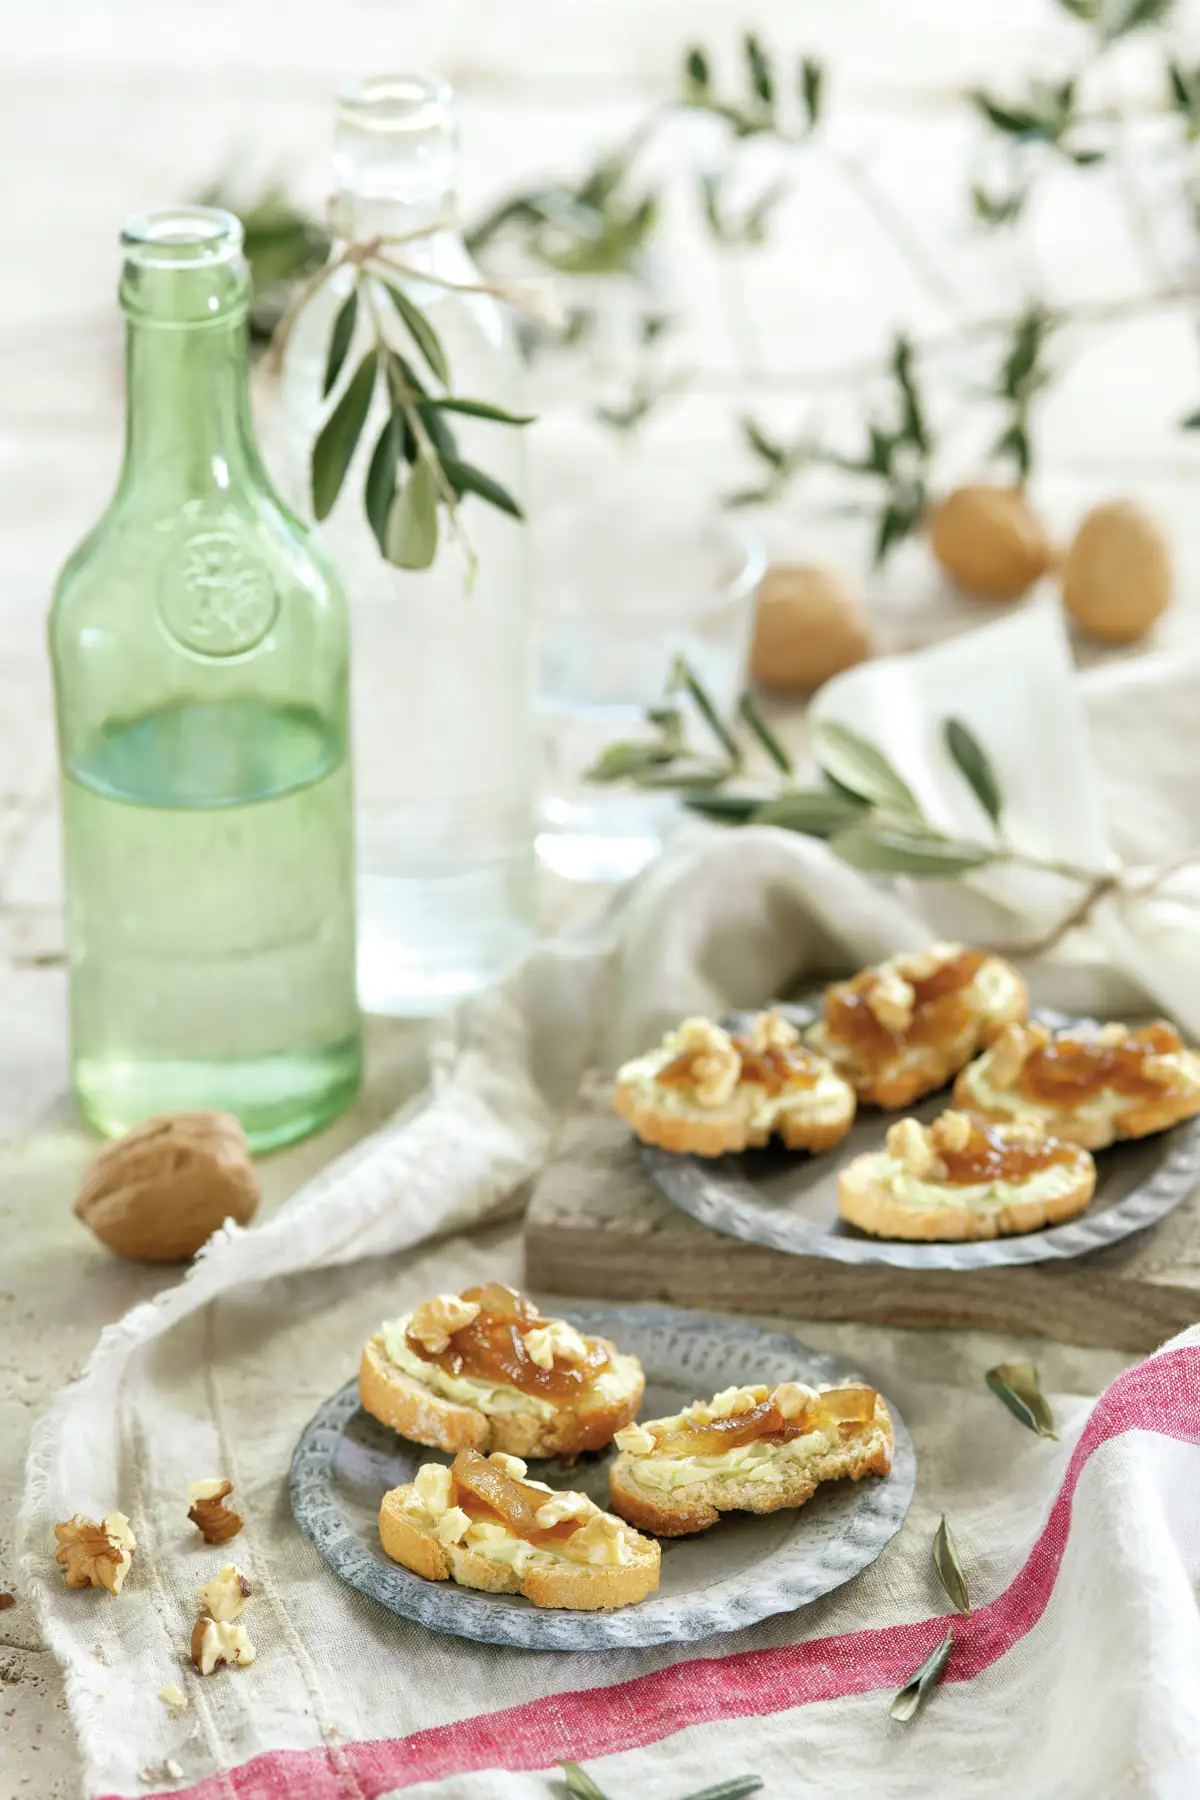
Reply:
x=788 y=1201
x=743 y=1569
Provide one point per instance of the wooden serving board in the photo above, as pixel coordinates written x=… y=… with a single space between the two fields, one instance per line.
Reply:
x=598 y=1225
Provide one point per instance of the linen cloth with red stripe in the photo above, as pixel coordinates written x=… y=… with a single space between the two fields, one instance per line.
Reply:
x=1078 y=1674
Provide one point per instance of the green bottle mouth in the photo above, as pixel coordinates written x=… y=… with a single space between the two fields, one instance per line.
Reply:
x=184 y=266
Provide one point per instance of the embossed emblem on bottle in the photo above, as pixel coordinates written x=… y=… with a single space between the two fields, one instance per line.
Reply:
x=214 y=597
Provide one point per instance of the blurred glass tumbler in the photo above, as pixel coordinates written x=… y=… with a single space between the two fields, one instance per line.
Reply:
x=625 y=588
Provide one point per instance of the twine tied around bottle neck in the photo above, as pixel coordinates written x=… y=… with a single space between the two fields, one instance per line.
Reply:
x=375 y=255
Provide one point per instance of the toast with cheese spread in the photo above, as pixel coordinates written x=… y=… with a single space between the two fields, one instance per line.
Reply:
x=749 y=1449
x=484 y=1524
x=1088 y=1084
x=907 y=1026
x=708 y=1092
x=484 y=1370
x=963 y=1178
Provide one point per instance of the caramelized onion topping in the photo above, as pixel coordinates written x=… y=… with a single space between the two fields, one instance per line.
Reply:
x=1071 y=1070
x=492 y=1348
x=940 y=1010
x=764 y=1423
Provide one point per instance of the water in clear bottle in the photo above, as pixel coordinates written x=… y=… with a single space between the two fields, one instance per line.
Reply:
x=444 y=729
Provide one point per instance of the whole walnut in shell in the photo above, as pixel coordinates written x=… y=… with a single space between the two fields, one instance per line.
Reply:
x=161 y=1191
x=808 y=628
x=1116 y=578
x=990 y=541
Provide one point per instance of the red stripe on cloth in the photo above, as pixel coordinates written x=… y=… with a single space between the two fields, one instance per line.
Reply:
x=1161 y=1395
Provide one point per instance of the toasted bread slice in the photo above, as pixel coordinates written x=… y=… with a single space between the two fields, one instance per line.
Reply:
x=424 y=1402
x=916 y=1024
x=704 y=1092
x=797 y=1468
x=439 y=1543
x=1129 y=1083
x=965 y=1179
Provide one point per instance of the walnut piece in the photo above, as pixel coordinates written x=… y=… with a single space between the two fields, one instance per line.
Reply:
x=161 y=1191
x=1011 y=1050
x=171 y=1695
x=435 y=1321
x=94 y=1555
x=225 y=1596
x=1163 y=1071
x=735 y=1400
x=636 y=1439
x=214 y=1643
x=513 y=1466
x=919 y=965
x=557 y=1339
x=217 y=1522
x=771 y=1031
x=891 y=999
x=563 y=1506
x=951 y=1133
x=7 y=1600
x=715 y=1064
x=602 y=1541
x=911 y=1146
x=791 y=1398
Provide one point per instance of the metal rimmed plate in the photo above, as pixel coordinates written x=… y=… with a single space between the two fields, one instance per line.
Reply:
x=789 y=1202
x=742 y=1570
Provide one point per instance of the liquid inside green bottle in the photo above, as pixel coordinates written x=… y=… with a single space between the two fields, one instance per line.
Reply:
x=200 y=656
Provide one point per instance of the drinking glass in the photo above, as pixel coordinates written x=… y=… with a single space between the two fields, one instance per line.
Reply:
x=627 y=584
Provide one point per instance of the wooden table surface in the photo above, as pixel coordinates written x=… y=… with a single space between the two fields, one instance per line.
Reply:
x=107 y=109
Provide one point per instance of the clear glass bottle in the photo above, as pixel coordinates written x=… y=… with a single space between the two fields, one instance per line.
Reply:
x=443 y=711
x=200 y=660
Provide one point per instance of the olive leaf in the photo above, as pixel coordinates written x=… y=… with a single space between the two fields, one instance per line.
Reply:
x=481 y=409
x=440 y=434
x=811 y=82
x=412 y=525
x=616 y=762
x=748 y=709
x=683 y=679
x=729 y=1790
x=882 y=852
x=421 y=332
x=340 y=339
x=465 y=478
x=1017 y=1385
x=579 y=1783
x=949 y=1569
x=911 y=1697
x=758 y=69
x=975 y=766
x=380 y=488
x=696 y=74
x=813 y=812
x=856 y=764
x=729 y=809
x=338 y=437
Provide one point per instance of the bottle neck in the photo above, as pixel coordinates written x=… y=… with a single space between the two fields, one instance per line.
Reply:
x=188 y=422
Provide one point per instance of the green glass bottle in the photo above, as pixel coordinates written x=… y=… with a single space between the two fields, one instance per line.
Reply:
x=200 y=660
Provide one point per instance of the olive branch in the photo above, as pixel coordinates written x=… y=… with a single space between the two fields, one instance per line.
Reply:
x=416 y=466
x=863 y=809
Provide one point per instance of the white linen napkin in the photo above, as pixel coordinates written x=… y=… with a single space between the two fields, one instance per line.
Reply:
x=724 y=918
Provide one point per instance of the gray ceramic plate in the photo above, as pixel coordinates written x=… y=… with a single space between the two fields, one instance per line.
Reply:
x=789 y=1202
x=743 y=1569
